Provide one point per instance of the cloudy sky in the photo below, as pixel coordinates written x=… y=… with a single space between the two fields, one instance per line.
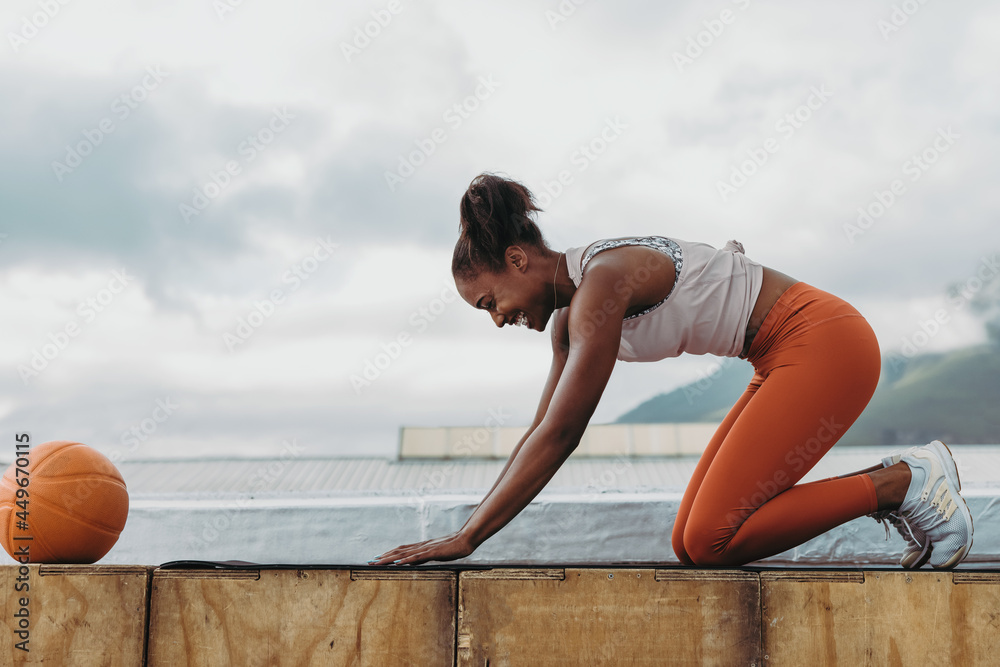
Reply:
x=214 y=215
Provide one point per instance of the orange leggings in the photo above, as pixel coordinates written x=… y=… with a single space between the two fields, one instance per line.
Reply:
x=817 y=363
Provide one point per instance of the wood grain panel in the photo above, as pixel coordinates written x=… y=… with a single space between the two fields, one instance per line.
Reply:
x=881 y=618
x=594 y=616
x=302 y=617
x=77 y=615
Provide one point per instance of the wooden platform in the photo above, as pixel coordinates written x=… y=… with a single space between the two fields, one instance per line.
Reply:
x=302 y=617
x=428 y=616
x=578 y=616
x=76 y=614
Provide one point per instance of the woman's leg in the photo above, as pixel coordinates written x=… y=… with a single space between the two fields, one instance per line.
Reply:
x=747 y=507
x=677 y=537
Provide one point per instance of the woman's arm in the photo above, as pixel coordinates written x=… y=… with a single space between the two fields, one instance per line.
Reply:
x=595 y=326
x=456 y=545
x=560 y=352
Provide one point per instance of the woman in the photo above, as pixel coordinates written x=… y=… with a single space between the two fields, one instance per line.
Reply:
x=642 y=299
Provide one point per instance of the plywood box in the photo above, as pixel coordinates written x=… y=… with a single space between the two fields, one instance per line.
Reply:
x=302 y=617
x=76 y=615
x=595 y=616
x=881 y=618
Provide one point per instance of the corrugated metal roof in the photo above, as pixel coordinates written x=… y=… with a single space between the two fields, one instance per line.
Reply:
x=979 y=465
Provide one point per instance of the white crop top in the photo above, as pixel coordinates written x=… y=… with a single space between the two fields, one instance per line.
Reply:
x=707 y=309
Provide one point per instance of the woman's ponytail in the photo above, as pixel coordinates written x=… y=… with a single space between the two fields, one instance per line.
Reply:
x=493 y=215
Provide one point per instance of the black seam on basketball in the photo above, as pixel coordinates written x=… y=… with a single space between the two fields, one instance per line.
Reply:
x=41 y=541
x=49 y=505
x=84 y=475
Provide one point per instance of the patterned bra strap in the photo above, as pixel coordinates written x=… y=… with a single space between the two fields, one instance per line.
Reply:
x=667 y=246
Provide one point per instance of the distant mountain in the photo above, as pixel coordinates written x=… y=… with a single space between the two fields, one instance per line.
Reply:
x=953 y=396
x=705 y=400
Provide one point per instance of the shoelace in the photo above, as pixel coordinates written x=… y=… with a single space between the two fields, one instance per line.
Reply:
x=885 y=517
x=930 y=514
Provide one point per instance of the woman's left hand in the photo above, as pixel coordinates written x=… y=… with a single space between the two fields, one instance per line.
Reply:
x=449 y=547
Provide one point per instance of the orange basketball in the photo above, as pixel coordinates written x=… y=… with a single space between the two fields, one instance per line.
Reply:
x=72 y=509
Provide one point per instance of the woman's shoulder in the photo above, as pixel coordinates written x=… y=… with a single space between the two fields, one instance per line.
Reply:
x=642 y=273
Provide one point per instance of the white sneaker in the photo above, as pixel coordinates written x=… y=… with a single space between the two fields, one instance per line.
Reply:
x=918 y=547
x=934 y=506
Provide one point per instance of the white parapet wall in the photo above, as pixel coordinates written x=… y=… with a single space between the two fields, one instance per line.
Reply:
x=687 y=439
x=594 y=509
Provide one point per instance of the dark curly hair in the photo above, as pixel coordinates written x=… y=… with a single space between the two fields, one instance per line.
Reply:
x=494 y=214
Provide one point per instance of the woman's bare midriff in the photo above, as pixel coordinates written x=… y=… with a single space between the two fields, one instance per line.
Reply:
x=772 y=287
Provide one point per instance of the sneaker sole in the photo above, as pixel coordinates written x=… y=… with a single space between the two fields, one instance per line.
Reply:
x=922 y=557
x=951 y=472
x=918 y=559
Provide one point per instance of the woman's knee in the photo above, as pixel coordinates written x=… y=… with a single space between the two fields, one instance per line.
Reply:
x=707 y=545
x=677 y=541
x=700 y=551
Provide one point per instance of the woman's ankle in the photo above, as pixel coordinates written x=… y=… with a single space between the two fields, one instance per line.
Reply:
x=891 y=485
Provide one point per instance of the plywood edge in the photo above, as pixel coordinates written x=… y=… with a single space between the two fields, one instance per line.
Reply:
x=53 y=570
x=975 y=577
x=813 y=575
x=705 y=575
x=206 y=574
x=516 y=573
x=432 y=575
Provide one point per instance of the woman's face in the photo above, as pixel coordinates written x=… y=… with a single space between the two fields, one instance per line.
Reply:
x=519 y=290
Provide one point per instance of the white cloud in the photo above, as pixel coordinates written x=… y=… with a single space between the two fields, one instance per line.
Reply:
x=325 y=177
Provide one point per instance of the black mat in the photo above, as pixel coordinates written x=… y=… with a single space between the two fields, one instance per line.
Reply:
x=247 y=565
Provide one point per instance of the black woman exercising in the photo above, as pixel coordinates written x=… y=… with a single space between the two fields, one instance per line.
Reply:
x=816 y=359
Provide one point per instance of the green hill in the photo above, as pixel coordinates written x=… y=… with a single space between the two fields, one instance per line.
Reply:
x=951 y=396
x=706 y=400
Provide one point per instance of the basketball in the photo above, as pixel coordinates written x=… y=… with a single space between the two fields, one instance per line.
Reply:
x=71 y=509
